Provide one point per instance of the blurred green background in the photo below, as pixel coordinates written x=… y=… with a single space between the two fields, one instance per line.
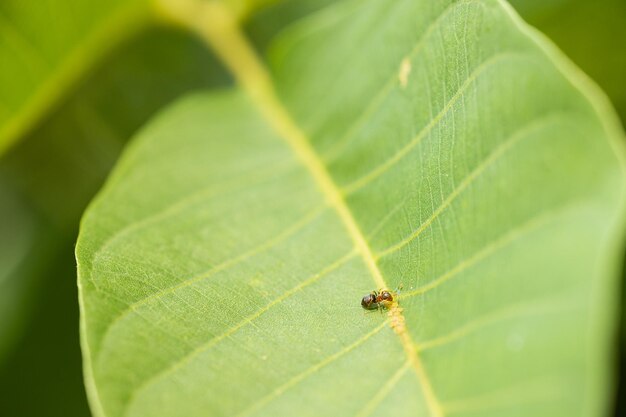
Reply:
x=48 y=178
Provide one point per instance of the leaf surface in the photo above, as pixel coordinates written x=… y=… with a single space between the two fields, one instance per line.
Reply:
x=443 y=147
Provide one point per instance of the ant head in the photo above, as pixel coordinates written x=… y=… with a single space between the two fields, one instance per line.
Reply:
x=385 y=296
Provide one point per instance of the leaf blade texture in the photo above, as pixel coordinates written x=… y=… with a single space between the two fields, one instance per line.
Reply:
x=441 y=147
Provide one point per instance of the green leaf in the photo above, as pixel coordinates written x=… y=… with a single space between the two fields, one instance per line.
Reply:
x=443 y=147
x=16 y=246
x=46 y=49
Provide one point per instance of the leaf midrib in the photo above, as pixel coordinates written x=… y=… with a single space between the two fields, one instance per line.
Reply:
x=217 y=26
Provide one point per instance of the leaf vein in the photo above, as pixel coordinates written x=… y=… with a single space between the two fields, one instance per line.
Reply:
x=287 y=233
x=535 y=307
x=382 y=393
x=492 y=247
x=186 y=359
x=200 y=196
x=338 y=146
x=300 y=377
x=535 y=391
x=498 y=152
x=389 y=163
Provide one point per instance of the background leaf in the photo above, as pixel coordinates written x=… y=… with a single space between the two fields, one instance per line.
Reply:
x=51 y=175
x=17 y=272
x=590 y=33
x=451 y=151
x=46 y=49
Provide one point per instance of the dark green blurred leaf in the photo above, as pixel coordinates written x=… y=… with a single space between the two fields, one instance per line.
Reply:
x=42 y=377
x=50 y=176
x=22 y=253
x=268 y=22
x=61 y=165
x=46 y=46
x=592 y=33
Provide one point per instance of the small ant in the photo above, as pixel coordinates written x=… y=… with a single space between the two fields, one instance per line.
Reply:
x=382 y=299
